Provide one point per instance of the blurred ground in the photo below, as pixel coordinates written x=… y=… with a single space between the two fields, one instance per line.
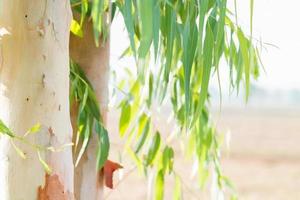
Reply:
x=263 y=160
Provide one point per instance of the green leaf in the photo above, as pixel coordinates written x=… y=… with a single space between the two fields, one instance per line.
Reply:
x=244 y=50
x=202 y=9
x=208 y=46
x=190 y=35
x=156 y=25
x=125 y=118
x=93 y=105
x=136 y=159
x=169 y=23
x=159 y=186
x=168 y=157
x=220 y=32
x=97 y=12
x=177 y=195
x=86 y=137
x=84 y=99
x=5 y=130
x=143 y=136
x=84 y=10
x=143 y=120
x=104 y=145
x=146 y=19
x=113 y=10
x=150 y=90
x=153 y=148
x=239 y=68
x=129 y=22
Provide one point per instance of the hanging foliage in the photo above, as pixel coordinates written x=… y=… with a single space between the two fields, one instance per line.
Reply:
x=178 y=46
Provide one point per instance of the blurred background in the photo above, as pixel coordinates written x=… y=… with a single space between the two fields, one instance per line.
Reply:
x=261 y=151
x=264 y=153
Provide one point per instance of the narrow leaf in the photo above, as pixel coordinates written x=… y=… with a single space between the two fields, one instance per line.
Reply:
x=104 y=145
x=159 y=186
x=125 y=118
x=153 y=149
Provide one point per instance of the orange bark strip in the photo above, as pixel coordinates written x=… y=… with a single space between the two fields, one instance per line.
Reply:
x=108 y=170
x=53 y=190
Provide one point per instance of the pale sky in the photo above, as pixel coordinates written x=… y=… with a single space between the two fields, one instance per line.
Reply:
x=275 y=21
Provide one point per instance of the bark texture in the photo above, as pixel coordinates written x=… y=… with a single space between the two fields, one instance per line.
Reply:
x=53 y=189
x=34 y=88
x=95 y=63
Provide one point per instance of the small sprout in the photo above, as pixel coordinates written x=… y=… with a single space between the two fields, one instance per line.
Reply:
x=45 y=165
x=36 y=128
x=27 y=99
x=18 y=150
x=59 y=149
x=26 y=16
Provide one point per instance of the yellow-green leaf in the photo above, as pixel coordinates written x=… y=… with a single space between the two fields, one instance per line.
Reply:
x=76 y=28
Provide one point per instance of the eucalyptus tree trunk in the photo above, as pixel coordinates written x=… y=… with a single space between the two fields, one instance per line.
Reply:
x=34 y=88
x=94 y=61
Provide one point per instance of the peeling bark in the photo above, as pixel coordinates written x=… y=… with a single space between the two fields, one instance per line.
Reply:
x=95 y=63
x=108 y=172
x=53 y=190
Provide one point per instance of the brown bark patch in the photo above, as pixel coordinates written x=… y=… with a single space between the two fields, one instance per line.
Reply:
x=53 y=190
x=108 y=171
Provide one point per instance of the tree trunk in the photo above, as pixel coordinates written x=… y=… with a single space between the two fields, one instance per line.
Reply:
x=95 y=63
x=34 y=88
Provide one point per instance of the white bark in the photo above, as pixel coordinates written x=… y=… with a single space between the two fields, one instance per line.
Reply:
x=95 y=63
x=34 y=88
